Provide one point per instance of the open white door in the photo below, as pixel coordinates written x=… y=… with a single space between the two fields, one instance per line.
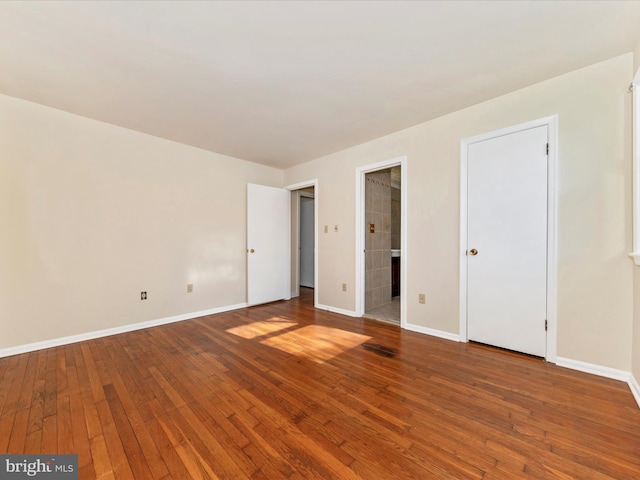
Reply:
x=268 y=244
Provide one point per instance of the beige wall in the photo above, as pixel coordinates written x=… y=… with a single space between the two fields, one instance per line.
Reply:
x=92 y=214
x=595 y=297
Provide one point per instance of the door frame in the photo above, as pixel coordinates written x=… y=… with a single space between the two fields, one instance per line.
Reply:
x=552 y=229
x=361 y=173
x=292 y=188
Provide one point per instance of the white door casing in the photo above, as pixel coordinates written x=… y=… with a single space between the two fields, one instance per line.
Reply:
x=361 y=173
x=268 y=244
x=316 y=195
x=508 y=216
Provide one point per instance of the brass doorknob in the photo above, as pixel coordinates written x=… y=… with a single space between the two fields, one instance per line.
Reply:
x=252 y=250
x=473 y=251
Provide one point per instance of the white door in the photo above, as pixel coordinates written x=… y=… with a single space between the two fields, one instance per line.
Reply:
x=307 y=234
x=507 y=241
x=268 y=244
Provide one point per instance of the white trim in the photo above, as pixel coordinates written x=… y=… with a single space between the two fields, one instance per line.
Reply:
x=635 y=388
x=552 y=231
x=299 y=186
x=463 y=331
x=56 y=342
x=636 y=167
x=606 y=372
x=593 y=369
x=552 y=239
x=295 y=253
x=404 y=252
x=635 y=255
x=433 y=332
x=360 y=233
x=341 y=311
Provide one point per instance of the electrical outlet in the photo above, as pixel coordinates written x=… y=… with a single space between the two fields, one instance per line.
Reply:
x=189 y=287
x=421 y=298
x=143 y=295
x=344 y=287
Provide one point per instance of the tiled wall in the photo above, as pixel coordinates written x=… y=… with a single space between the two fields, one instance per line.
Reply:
x=395 y=218
x=378 y=244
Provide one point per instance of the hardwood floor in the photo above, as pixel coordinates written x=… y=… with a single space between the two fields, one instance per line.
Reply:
x=284 y=391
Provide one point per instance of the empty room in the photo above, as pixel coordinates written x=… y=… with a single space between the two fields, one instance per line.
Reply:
x=319 y=240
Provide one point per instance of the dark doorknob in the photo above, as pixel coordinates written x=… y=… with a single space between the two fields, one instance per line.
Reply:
x=473 y=251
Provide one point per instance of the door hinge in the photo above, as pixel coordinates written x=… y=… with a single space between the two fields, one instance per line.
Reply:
x=547 y=149
x=546 y=325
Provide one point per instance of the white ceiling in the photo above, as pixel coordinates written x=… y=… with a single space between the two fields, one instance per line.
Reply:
x=281 y=83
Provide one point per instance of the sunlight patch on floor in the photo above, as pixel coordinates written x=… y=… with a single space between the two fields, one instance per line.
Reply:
x=316 y=342
x=265 y=327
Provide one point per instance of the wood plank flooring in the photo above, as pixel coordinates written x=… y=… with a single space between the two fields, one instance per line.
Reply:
x=284 y=391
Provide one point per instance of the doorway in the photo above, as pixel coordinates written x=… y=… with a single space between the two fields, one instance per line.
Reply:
x=304 y=208
x=508 y=238
x=381 y=241
x=307 y=239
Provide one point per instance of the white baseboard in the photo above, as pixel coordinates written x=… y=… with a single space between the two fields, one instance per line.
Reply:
x=635 y=388
x=594 y=369
x=56 y=342
x=433 y=332
x=348 y=313
x=591 y=368
x=601 y=371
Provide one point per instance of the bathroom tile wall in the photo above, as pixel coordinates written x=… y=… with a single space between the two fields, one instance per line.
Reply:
x=378 y=244
x=395 y=218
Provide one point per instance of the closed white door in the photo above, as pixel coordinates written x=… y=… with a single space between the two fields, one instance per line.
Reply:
x=268 y=244
x=507 y=241
x=307 y=241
